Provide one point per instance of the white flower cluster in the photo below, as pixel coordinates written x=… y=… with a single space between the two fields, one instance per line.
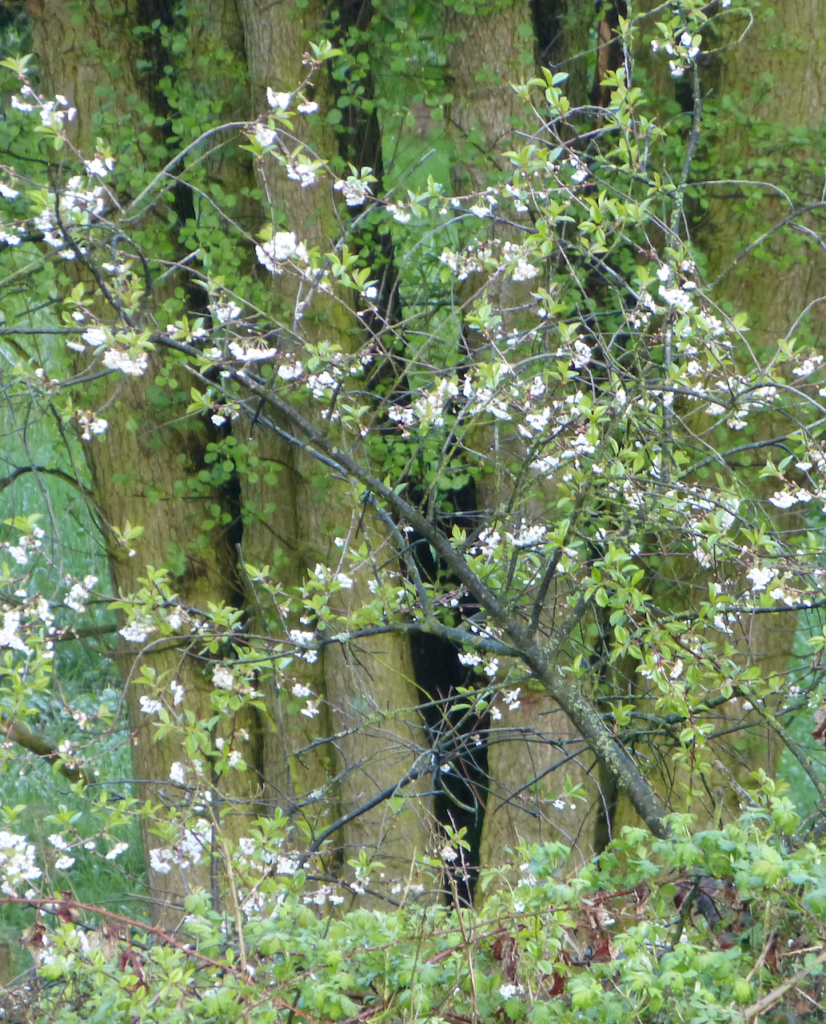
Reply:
x=761 y=576
x=521 y=268
x=17 y=862
x=90 y=424
x=332 y=580
x=473 y=259
x=20 y=552
x=291 y=371
x=188 y=851
x=430 y=408
x=510 y=991
x=399 y=214
x=264 y=135
x=580 y=170
x=278 y=100
x=785 y=499
x=249 y=354
x=511 y=699
x=99 y=167
x=528 y=536
x=161 y=861
x=224 y=312
x=678 y=298
x=310 y=709
x=223 y=677
x=808 y=366
x=79 y=594
x=322 y=895
x=133 y=365
x=355 y=191
x=137 y=631
x=52 y=112
x=302 y=171
x=281 y=247
x=470 y=659
x=322 y=384
x=302 y=640
x=8 y=634
x=682 y=52
x=150 y=706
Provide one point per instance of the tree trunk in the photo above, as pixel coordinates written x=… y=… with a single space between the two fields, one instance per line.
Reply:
x=534 y=753
x=753 y=119
x=150 y=468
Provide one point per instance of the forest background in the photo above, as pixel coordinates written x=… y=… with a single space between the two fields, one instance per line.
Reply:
x=412 y=545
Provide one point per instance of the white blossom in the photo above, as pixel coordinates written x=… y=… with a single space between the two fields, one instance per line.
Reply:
x=301 y=637
x=19 y=554
x=676 y=297
x=251 y=354
x=310 y=709
x=528 y=536
x=8 y=634
x=760 y=577
x=222 y=677
x=302 y=172
x=511 y=699
x=149 y=706
x=116 y=851
x=94 y=336
x=161 y=861
x=354 y=190
x=290 y=371
x=266 y=136
x=807 y=366
x=399 y=215
x=226 y=311
x=17 y=861
x=99 y=168
x=177 y=772
x=524 y=271
x=282 y=246
x=64 y=863
x=582 y=354
x=136 y=632
x=132 y=366
x=278 y=100
x=580 y=170
x=508 y=991
x=76 y=598
x=286 y=864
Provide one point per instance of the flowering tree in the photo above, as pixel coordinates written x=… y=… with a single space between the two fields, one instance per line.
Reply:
x=331 y=427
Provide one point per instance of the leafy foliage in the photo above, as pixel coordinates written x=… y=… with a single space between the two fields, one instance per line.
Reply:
x=523 y=407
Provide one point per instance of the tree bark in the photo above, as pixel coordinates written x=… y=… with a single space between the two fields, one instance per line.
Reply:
x=534 y=750
x=289 y=524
